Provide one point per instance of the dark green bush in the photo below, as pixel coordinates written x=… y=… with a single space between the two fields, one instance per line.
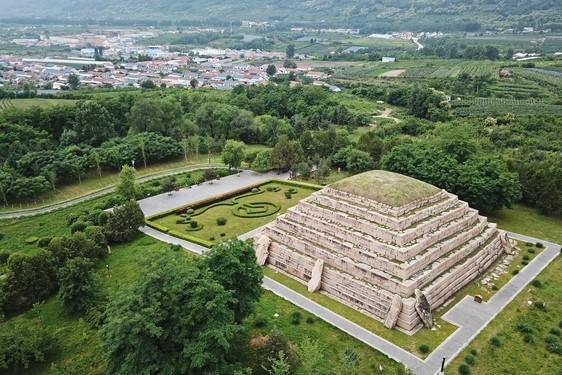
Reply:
x=193 y=224
x=514 y=272
x=78 y=226
x=424 y=349
x=255 y=190
x=310 y=320
x=524 y=328
x=550 y=339
x=540 y=305
x=470 y=359
x=260 y=322
x=175 y=247
x=526 y=257
x=539 y=245
x=495 y=287
x=44 y=241
x=524 y=262
x=221 y=220
x=528 y=338
x=464 y=369
x=222 y=234
x=529 y=244
x=288 y=195
x=531 y=250
x=296 y=317
x=495 y=341
x=474 y=352
x=555 y=331
x=536 y=283
x=554 y=347
x=4 y=255
x=212 y=238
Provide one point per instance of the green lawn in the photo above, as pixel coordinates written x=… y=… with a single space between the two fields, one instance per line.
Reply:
x=407 y=342
x=80 y=344
x=235 y=225
x=528 y=221
x=515 y=356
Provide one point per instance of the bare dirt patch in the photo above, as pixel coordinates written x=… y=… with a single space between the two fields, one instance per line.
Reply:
x=393 y=73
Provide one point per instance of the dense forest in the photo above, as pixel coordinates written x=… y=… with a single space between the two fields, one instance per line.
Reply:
x=372 y=16
x=490 y=162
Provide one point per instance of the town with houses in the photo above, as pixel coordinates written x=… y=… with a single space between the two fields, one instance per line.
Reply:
x=102 y=59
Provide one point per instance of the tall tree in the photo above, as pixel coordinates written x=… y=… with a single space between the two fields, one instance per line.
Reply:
x=29 y=279
x=271 y=70
x=78 y=285
x=233 y=153
x=290 y=51
x=233 y=264
x=173 y=320
x=285 y=154
x=125 y=187
x=123 y=223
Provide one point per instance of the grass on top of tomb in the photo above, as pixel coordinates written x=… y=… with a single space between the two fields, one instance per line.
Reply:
x=272 y=197
x=431 y=338
x=386 y=187
x=522 y=329
x=529 y=221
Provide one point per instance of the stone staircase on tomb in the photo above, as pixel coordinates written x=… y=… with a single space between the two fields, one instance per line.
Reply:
x=372 y=251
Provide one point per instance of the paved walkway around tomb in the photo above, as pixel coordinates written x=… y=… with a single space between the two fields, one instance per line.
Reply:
x=471 y=317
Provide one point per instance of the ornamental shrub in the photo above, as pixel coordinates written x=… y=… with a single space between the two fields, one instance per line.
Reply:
x=536 y=283
x=221 y=220
x=4 y=255
x=44 y=241
x=193 y=224
x=464 y=369
x=424 y=349
x=260 y=322
x=470 y=359
x=296 y=317
x=495 y=341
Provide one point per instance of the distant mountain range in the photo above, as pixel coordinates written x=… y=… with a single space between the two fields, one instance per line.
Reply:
x=375 y=15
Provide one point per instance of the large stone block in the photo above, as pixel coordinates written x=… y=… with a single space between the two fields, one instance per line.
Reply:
x=316 y=280
x=393 y=312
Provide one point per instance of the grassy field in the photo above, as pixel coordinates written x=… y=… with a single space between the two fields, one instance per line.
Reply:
x=34 y=102
x=80 y=344
x=528 y=221
x=274 y=202
x=515 y=355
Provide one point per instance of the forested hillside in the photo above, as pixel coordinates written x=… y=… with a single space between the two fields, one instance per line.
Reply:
x=378 y=15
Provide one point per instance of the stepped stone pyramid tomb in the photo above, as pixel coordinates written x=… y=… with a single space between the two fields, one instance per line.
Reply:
x=390 y=246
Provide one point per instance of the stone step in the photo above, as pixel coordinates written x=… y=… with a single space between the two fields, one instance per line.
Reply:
x=451 y=261
x=444 y=242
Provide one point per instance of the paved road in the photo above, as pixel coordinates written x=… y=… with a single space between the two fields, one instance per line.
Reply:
x=163 y=202
x=101 y=192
